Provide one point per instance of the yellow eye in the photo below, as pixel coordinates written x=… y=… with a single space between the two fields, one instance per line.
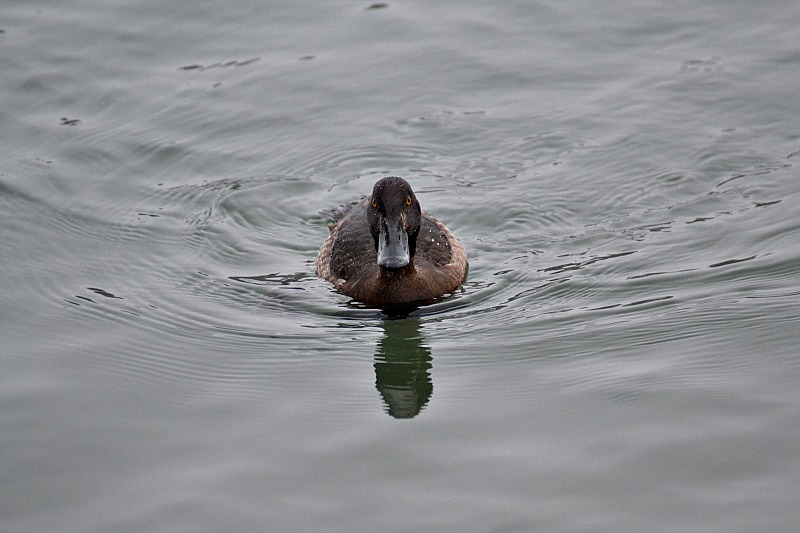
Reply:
x=374 y=203
x=408 y=200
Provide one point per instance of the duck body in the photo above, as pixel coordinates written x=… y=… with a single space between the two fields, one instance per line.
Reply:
x=385 y=251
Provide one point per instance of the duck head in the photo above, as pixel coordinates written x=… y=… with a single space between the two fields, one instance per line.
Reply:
x=394 y=221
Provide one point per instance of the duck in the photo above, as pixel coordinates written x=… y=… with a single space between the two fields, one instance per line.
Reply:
x=385 y=251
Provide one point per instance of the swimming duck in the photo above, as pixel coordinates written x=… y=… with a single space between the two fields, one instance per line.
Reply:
x=385 y=251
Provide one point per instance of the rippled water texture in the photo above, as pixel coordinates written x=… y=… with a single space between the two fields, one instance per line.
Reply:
x=622 y=357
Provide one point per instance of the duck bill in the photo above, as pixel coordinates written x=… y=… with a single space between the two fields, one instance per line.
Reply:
x=393 y=246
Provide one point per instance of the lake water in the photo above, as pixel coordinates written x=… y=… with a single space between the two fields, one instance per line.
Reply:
x=623 y=356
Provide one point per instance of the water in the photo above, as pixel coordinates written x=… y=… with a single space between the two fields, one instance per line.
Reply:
x=621 y=358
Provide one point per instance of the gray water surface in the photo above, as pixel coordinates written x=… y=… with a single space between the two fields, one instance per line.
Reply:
x=622 y=357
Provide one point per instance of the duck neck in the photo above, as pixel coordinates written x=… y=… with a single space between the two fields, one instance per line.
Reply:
x=392 y=273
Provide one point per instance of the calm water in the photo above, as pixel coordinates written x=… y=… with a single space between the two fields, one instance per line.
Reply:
x=622 y=358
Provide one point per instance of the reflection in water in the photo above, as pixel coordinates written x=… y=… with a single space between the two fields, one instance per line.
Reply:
x=402 y=368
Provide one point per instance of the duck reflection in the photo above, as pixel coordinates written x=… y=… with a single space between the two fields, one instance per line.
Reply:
x=402 y=368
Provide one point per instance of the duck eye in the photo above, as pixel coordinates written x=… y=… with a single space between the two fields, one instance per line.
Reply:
x=374 y=203
x=408 y=200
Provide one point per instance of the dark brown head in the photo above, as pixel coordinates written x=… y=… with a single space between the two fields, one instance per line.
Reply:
x=394 y=220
